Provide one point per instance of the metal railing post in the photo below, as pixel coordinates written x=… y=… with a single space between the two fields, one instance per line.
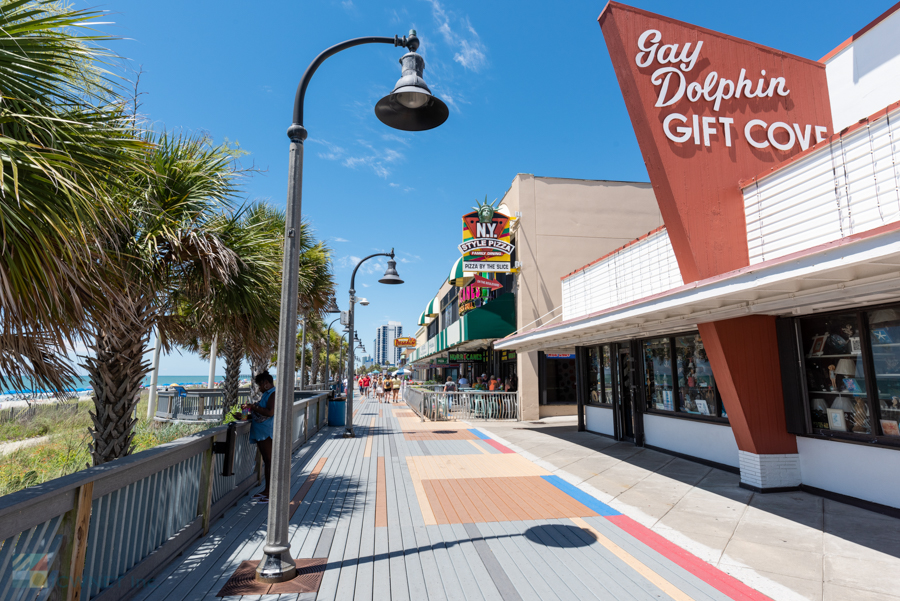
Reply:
x=76 y=523
x=204 y=499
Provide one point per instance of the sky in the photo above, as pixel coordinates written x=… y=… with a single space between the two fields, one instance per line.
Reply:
x=529 y=85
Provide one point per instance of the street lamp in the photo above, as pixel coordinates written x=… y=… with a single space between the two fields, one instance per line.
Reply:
x=409 y=107
x=390 y=277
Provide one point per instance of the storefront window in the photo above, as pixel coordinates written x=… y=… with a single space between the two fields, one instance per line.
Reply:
x=696 y=383
x=884 y=334
x=606 y=396
x=658 y=373
x=835 y=374
x=599 y=376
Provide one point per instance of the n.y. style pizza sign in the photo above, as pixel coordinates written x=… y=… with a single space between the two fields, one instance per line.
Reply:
x=675 y=61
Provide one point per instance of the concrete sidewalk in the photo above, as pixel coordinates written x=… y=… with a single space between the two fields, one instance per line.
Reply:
x=787 y=545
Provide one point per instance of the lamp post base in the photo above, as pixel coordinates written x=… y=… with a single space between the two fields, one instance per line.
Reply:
x=276 y=567
x=349 y=434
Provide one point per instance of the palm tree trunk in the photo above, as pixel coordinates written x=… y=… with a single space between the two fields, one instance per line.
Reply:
x=234 y=352
x=116 y=372
x=314 y=367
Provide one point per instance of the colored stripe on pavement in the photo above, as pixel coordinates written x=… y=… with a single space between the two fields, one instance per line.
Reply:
x=581 y=496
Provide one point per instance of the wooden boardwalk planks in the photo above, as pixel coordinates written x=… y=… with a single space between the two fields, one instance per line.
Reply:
x=411 y=510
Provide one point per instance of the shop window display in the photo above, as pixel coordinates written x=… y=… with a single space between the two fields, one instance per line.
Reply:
x=884 y=336
x=696 y=383
x=660 y=385
x=599 y=376
x=835 y=373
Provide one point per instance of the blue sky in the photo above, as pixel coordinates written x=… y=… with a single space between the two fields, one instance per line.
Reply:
x=529 y=85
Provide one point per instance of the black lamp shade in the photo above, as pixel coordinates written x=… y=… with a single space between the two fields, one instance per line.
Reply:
x=411 y=106
x=390 y=274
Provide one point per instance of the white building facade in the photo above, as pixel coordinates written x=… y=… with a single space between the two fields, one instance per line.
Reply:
x=385 y=351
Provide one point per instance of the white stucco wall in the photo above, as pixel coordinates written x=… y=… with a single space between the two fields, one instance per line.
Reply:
x=864 y=472
x=864 y=77
x=712 y=442
x=599 y=419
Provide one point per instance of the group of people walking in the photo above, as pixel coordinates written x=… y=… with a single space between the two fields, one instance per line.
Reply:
x=386 y=388
x=482 y=382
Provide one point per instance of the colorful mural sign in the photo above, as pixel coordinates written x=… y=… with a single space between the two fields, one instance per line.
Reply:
x=405 y=342
x=486 y=245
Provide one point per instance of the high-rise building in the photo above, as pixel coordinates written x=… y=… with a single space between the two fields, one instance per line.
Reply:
x=385 y=351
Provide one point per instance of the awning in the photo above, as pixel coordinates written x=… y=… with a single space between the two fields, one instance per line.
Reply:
x=457 y=273
x=433 y=308
x=853 y=271
x=423 y=319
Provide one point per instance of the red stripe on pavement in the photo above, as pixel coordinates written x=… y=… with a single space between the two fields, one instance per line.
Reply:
x=714 y=577
x=498 y=446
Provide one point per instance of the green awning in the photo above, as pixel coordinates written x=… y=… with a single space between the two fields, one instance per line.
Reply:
x=422 y=319
x=457 y=273
x=430 y=310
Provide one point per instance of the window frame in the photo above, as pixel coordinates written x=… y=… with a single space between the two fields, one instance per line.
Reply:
x=648 y=409
x=872 y=401
x=601 y=380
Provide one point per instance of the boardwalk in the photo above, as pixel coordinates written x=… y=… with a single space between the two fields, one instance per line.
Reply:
x=411 y=510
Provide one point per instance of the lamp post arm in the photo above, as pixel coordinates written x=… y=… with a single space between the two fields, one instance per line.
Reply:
x=411 y=42
x=358 y=265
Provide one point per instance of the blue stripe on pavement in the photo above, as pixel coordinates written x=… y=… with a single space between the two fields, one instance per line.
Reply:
x=581 y=496
x=480 y=435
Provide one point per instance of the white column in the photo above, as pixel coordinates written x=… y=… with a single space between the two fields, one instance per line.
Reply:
x=154 y=378
x=212 y=362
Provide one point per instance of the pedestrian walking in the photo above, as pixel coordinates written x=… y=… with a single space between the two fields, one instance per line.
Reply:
x=395 y=387
x=379 y=389
x=388 y=387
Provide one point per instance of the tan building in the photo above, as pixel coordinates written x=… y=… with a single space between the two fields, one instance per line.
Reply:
x=560 y=225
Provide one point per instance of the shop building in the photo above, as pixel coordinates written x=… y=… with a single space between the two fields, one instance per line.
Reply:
x=556 y=224
x=759 y=329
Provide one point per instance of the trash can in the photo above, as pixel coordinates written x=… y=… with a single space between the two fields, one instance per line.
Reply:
x=337 y=412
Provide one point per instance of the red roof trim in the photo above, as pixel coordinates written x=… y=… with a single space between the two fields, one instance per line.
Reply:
x=878 y=231
x=744 y=183
x=611 y=253
x=859 y=33
x=613 y=4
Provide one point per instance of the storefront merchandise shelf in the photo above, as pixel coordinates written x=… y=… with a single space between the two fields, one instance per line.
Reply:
x=831 y=356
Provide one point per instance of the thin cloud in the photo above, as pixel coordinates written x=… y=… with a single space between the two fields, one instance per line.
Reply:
x=379 y=160
x=469 y=51
x=340 y=240
x=332 y=152
x=393 y=185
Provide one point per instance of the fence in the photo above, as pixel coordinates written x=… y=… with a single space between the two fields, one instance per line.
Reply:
x=464 y=405
x=103 y=532
x=22 y=413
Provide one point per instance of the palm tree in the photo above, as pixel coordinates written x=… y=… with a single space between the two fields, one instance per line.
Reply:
x=166 y=247
x=63 y=135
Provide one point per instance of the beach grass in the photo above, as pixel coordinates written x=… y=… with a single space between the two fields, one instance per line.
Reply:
x=66 y=449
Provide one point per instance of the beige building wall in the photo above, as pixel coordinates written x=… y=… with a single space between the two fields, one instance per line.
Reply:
x=564 y=225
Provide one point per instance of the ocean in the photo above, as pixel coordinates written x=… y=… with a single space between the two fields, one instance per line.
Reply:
x=83 y=384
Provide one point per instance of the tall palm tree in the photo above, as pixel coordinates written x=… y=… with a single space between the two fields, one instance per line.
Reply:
x=63 y=136
x=166 y=246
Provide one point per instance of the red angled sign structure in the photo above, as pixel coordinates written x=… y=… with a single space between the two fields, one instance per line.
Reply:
x=710 y=110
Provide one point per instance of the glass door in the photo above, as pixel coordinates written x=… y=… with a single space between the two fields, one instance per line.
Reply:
x=625 y=396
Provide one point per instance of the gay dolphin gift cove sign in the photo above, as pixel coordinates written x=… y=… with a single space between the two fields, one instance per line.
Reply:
x=486 y=245
x=710 y=110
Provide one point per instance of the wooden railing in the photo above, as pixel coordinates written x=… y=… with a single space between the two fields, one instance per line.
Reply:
x=195 y=404
x=104 y=532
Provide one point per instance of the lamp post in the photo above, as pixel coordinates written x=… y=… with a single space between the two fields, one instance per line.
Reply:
x=409 y=107
x=390 y=277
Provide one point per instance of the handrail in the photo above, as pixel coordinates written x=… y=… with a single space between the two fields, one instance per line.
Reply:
x=109 y=528
x=204 y=404
x=469 y=405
